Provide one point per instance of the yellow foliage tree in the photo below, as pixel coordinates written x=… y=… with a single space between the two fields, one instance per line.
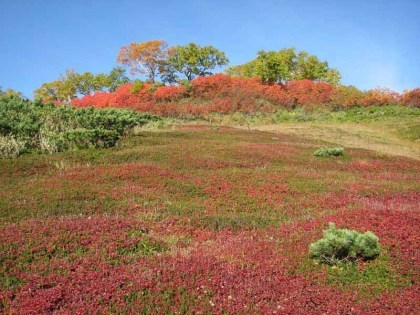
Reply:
x=145 y=58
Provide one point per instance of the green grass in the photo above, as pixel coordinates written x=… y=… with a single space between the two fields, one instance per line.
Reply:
x=369 y=279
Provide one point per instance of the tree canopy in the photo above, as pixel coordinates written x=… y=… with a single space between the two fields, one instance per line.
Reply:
x=145 y=58
x=285 y=65
x=72 y=84
x=193 y=60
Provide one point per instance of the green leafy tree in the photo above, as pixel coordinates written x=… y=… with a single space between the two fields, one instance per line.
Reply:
x=332 y=76
x=10 y=92
x=51 y=91
x=284 y=65
x=71 y=84
x=63 y=89
x=70 y=80
x=275 y=67
x=247 y=70
x=193 y=60
x=116 y=78
x=310 y=67
x=87 y=83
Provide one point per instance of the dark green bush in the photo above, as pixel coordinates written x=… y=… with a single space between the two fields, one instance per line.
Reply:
x=329 y=152
x=343 y=245
x=96 y=138
x=34 y=126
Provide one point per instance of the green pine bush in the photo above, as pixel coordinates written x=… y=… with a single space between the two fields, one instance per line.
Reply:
x=343 y=245
x=329 y=152
x=33 y=126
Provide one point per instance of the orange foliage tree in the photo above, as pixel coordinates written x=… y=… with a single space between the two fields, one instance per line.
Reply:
x=145 y=58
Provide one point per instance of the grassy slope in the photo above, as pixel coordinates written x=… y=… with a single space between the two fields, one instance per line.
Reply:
x=394 y=137
x=204 y=219
x=393 y=130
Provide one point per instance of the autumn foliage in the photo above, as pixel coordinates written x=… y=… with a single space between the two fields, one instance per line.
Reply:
x=411 y=98
x=224 y=94
x=201 y=221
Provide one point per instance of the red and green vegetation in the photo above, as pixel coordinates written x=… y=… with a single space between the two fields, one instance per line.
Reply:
x=222 y=94
x=198 y=217
x=205 y=220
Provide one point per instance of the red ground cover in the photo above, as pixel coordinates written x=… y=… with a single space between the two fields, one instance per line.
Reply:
x=205 y=221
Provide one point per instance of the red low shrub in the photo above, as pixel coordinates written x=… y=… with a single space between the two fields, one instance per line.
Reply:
x=278 y=95
x=346 y=96
x=213 y=86
x=380 y=97
x=411 y=98
x=169 y=93
x=307 y=92
x=223 y=94
x=99 y=99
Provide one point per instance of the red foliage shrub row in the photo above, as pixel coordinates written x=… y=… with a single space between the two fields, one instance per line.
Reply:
x=411 y=98
x=224 y=94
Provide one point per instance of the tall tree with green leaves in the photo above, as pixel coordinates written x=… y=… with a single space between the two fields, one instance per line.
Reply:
x=275 y=67
x=71 y=84
x=285 y=65
x=116 y=78
x=193 y=60
x=53 y=91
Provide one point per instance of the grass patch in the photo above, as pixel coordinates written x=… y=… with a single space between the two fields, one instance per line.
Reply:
x=239 y=221
x=369 y=279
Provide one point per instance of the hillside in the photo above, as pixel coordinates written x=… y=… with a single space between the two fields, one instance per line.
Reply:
x=204 y=219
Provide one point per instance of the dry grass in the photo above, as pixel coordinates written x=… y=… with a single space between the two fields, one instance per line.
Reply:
x=384 y=137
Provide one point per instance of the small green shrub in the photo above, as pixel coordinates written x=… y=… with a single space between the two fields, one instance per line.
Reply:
x=329 y=152
x=343 y=245
x=11 y=147
x=136 y=87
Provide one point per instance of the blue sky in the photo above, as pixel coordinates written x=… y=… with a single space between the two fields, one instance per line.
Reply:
x=372 y=43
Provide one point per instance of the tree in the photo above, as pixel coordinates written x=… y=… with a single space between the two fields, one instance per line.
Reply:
x=63 y=89
x=275 y=67
x=51 y=92
x=193 y=60
x=285 y=65
x=310 y=67
x=247 y=70
x=11 y=92
x=145 y=58
x=71 y=84
x=116 y=78
x=87 y=83
x=332 y=76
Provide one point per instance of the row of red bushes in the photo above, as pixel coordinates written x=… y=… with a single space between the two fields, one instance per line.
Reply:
x=224 y=94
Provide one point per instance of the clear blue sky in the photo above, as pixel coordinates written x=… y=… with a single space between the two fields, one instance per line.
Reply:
x=373 y=43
